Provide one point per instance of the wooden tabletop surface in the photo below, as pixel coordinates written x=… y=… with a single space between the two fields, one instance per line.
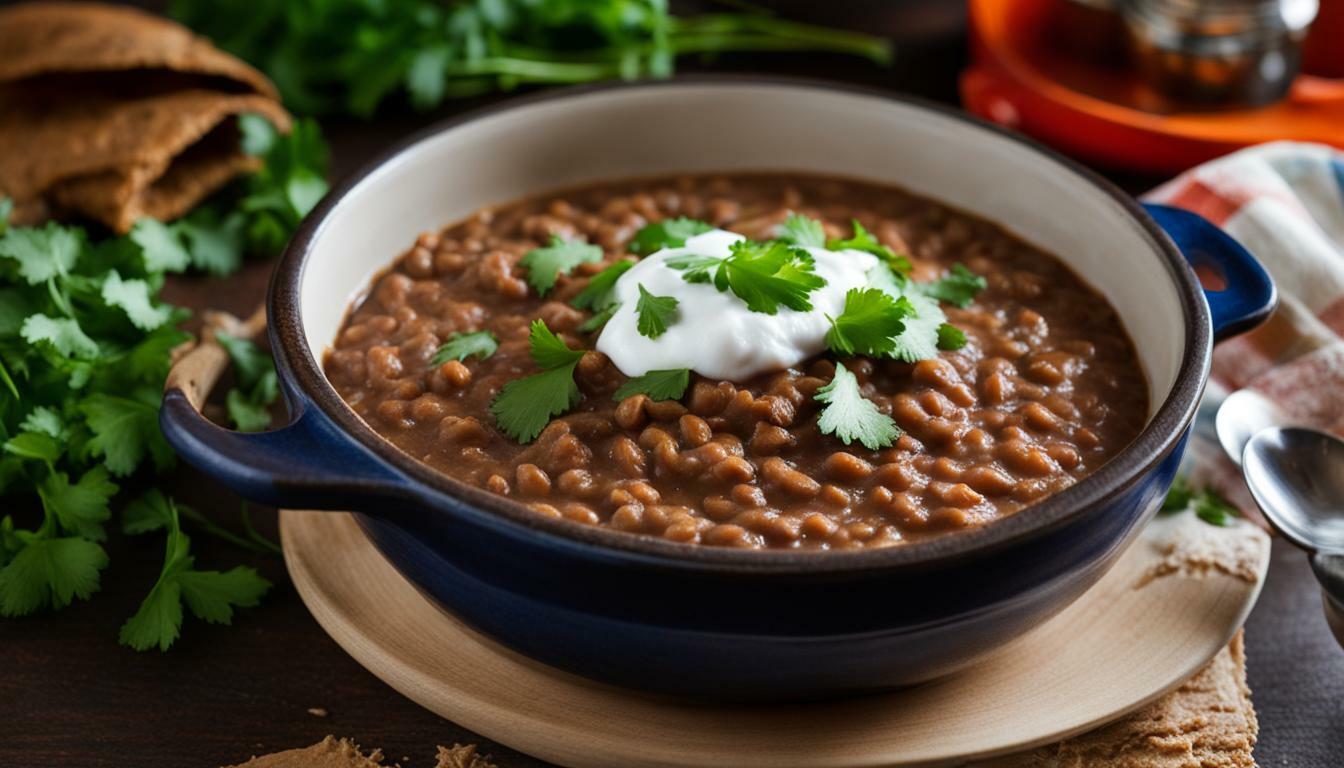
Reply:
x=71 y=696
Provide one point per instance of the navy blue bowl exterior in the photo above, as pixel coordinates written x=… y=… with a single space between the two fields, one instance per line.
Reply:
x=735 y=637
x=705 y=621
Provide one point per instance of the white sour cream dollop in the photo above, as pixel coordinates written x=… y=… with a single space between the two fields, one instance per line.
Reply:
x=714 y=334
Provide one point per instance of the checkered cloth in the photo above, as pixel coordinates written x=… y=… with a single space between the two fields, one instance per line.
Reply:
x=1285 y=202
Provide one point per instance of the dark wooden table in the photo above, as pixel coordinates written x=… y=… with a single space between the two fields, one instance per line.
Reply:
x=71 y=696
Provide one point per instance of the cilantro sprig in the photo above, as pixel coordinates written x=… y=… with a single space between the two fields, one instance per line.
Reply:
x=869 y=324
x=525 y=406
x=460 y=346
x=211 y=596
x=863 y=240
x=560 y=257
x=958 y=287
x=599 y=296
x=669 y=233
x=658 y=385
x=765 y=276
x=850 y=416
x=800 y=230
x=654 y=313
x=257 y=387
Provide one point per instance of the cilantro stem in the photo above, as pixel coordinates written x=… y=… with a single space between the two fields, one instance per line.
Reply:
x=219 y=532
x=9 y=383
x=254 y=535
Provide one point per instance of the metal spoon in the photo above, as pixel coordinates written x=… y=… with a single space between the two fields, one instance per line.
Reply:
x=1241 y=415
x=1296 y=475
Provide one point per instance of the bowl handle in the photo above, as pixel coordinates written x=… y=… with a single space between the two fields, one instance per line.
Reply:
x=1249 y=296
x=307 y=464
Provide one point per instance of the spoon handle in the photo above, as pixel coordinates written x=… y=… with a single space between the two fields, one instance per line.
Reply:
x=1329 y=571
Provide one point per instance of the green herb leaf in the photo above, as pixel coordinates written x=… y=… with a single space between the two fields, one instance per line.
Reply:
x=81 y=508
x=801 y=230
x=655 y=313
x=460 y=346
x=658 y=385
x=864 y=241
x=767 y=275
x=160 y=246
x=249 y=403
x=545 y=265
x=1179 y=496
x=919 y=340
x=958 y=287
x=64 y=335
x=696 y=268
x=124 y=430
x=1213 y=509
x=525 y=406
x=600 y=292
x=133 y=298
x=668 y=233
x=850 y=416
x=869 y=324
x=950 y=337
x=549 y=350
x=598 y=320
x=42 y=254
x=50 y=571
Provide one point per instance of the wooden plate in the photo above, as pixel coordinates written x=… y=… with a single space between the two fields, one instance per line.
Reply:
x=1170 y=604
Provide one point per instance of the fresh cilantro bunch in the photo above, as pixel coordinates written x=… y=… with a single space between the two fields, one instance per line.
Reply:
x=348 y=56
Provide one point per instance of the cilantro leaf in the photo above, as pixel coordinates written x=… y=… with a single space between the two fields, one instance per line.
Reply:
x=669 y=233
x=801 y=230
x=525 y=406
x=63 y=334
x=44 y=420
x=600 y=291
x=258 y=388
x=133 y=297
x=212 y=595
x=600 y=319
x=869 y=323
x=658 y=385
x=545 y=265
x=958 y=287
x=460 y=346
x=6 y=209
x=655 y=313
x=1178 y=496
x=161 y=247
x=50 y=571
x=864 y=241
x=766 y=275
x=695 y=266
x=34 y=445
x=950 y=337
x=549 y=350
x=850 y=416
x=1213 y=509
x=146 y=513
x=919 y=340
x=215 y=241
x=81 y=508
x=124 y=431
x=42 y=254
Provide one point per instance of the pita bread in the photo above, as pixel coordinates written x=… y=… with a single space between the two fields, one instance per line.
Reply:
x=113 y=114
x=115 y=160
x=1208 y=721
x=46 y=38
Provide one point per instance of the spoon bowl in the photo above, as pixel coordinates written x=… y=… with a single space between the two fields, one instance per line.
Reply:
x=1241 y=416
x=1297 y=477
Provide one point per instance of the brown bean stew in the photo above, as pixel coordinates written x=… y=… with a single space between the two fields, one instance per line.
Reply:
x=1047 y=388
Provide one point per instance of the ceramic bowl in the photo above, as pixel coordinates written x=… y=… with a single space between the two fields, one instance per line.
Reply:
x=704 y=621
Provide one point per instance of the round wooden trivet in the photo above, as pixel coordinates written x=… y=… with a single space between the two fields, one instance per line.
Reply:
x=1152 y=622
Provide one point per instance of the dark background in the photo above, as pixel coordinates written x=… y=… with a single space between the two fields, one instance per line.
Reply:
x=71 y=696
